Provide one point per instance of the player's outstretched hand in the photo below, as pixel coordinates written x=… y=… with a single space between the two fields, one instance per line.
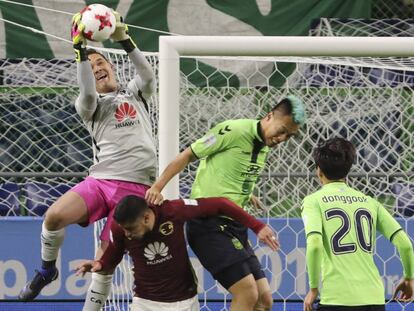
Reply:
x=254 y=200
x=76 y=32
x=310 y=299
x=267 y=236
x=121 y=29
x=154 y=196
x=88 y=266
x=404 y=291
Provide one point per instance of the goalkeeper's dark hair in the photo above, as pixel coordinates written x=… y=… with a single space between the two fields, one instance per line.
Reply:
x=334 y=157
x=129 y=209
x=93 y=51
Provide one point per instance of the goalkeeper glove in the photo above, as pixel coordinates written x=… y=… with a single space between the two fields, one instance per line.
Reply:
x=78 y=39
x=121 y=34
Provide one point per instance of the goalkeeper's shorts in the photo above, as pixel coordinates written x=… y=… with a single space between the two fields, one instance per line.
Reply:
x=101 y=197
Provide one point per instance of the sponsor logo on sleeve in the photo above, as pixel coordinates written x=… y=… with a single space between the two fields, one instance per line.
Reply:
x=209 y=140
x=190 y=202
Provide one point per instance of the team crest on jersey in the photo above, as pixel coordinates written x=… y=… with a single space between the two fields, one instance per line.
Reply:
x=166 y=228
x=236 y=243
x=125 y=114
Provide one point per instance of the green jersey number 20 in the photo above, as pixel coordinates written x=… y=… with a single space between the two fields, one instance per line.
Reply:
x=364 y=240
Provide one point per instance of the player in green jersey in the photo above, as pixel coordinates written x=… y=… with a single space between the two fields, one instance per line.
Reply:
x=340 y=226
x=232 y=155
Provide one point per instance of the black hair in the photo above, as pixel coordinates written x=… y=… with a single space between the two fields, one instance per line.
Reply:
x=93 y=51
x=129 y=209
x=334 y=157
x=284 y=107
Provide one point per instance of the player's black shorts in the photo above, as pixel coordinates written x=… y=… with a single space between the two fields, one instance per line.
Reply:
x=230 y=275
x=223 y=248
x=347 y=308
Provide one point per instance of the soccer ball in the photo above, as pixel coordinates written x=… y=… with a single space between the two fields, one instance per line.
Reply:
x=99 y=22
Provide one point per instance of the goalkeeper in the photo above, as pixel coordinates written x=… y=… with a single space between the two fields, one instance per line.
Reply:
x=124 y=154
x=233 y=155
x=340 y=226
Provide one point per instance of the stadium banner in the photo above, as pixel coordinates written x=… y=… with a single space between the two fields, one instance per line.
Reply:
x=147 y=18
x=286 y=269
x=196 y=17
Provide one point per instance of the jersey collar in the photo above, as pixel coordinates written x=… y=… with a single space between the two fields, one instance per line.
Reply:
x=259 y=132
x=335 y=184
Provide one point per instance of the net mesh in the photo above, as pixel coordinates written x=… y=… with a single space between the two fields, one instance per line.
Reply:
x=45 y=149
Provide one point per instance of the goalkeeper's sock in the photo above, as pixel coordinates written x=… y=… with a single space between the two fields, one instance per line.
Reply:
x=98 y=292
x=128 y=45
x=50 y=244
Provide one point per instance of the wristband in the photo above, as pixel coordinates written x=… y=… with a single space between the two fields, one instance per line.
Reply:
x=128 y=45
x=80 y=52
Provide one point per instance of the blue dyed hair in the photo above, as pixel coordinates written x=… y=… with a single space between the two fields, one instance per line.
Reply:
x=292 y=105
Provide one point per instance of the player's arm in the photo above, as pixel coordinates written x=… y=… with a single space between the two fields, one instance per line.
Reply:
x=111 y=257
x=215 y=140
x=86 y=102
x=145 y=80
x=153 y=195
x=312 y=220
x=405 y=288
x=115 y=250
x=391 y=229
x=204 y=207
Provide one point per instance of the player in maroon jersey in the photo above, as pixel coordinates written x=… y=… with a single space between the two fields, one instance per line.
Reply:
x=154 y=238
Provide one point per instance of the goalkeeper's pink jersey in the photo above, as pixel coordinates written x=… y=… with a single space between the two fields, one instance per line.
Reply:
x=123 y=146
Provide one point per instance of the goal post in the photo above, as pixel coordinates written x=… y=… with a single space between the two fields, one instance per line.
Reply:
x=171 y=48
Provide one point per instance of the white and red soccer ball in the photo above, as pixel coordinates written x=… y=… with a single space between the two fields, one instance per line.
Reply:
x=99 y=22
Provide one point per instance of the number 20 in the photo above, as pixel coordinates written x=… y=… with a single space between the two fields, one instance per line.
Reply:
x=339 y=248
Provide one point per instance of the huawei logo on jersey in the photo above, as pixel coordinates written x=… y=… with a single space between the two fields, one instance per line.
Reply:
x=126 y=114
x=156 y=249
x=125 y=111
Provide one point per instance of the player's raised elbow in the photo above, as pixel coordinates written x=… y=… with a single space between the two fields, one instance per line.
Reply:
x=88 y=102
x=149 y=86
x=86 y=105
x=88 y=99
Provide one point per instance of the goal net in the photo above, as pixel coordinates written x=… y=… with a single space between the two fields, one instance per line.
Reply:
x=45 y=149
